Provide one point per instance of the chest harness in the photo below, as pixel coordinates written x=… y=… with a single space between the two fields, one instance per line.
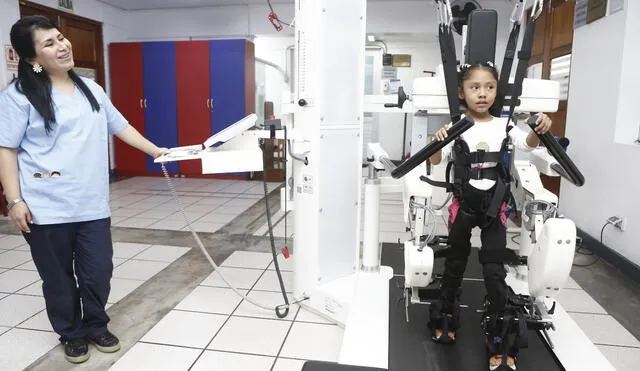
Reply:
x=463 y=171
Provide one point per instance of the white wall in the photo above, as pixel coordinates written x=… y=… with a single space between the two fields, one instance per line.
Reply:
x=600 y=98
x=207 y=22
x=9 y=13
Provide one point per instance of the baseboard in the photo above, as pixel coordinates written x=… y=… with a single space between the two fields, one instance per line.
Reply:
x=626 y=266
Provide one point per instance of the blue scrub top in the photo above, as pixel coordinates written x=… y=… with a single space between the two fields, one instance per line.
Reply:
x=76 y=148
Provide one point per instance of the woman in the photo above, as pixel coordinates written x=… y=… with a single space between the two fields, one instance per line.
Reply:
x=54 y=128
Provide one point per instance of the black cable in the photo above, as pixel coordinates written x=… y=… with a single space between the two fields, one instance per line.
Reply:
x=270 y=7
x=273 y=245
x=590 y=252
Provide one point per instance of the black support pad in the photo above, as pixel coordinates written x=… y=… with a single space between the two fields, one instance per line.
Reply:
x=481 y=36
x=332 y=366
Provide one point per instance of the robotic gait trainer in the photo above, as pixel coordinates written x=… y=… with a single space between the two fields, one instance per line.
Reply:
x=547 y=240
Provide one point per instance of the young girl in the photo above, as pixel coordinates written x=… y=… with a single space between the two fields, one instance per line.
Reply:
x=478 y=176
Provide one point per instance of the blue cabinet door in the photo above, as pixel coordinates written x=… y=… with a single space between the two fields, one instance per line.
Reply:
x=227 y=83
x=161 y=117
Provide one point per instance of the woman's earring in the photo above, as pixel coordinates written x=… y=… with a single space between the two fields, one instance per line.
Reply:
x=37 y=68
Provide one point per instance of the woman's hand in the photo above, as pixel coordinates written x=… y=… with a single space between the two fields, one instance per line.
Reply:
x=21 y=216
x=543 y=123
x=160 y=152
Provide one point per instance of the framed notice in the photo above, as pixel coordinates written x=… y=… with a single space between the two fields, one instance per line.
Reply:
x=580 y=14
x=401 y=60
x=596 y=10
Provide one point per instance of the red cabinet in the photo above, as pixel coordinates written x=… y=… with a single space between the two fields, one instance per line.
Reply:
x=194 y=98
x=127 y=95
x=179 y=94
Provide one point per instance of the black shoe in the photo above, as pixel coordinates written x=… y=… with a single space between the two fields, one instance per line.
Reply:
x=106 y=343
x=76 y=350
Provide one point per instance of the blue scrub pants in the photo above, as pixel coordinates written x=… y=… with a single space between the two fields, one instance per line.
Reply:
x=84 y=248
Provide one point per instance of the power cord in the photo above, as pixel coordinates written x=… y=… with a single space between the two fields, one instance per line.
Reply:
x=287 y=305
x=589 y=252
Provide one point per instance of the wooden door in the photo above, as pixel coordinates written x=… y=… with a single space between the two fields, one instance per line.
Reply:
x=86 y=39
x=160 y=117
x=194 y=98
x=85 y=36
x=553 y=39
x=127 y=96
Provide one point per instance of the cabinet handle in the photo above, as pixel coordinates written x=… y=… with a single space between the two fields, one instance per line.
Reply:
x=141 y=103
x=211 y=104
x=208 y=103
x=145 y=102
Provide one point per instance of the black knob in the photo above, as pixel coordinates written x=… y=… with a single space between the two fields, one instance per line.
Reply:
x=302 y=102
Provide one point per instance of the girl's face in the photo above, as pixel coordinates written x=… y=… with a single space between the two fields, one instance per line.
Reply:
x=479 y=91
x=53 y=51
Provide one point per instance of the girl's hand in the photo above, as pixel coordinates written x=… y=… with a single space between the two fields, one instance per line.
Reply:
x=442 y=133
x=543 y=123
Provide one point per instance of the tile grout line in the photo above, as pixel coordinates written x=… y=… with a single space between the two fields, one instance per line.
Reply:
x=285 y=340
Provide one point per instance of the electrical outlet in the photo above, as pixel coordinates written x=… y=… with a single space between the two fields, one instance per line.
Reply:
x=623 y=224
x=617 y=222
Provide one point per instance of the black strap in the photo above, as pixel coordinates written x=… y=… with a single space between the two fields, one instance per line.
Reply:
x=509 y=56
x=523 y=341
x=523 y=64
x=450 y=67
x=482 y=156
x=490 y=173
x=496 y=200
x=436 y=183
x=498 y=256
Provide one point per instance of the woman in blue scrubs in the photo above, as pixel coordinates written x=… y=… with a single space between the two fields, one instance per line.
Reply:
x=54 y=130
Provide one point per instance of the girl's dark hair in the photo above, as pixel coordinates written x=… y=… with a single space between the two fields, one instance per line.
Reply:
x=465 y=72
x=37 y=87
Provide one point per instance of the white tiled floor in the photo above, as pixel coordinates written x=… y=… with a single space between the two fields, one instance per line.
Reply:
x=209 y=204
x=23 y=318
x=213 y=328
x=220 y=331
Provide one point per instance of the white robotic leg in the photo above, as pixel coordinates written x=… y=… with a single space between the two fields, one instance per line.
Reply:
x=418 y=256
x=550 y=261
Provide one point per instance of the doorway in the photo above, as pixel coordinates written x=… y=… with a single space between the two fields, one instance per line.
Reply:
x=85 y=36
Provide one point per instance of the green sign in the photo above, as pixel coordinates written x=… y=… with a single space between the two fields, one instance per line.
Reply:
x=65 y=4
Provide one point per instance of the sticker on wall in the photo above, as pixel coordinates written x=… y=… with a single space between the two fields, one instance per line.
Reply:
x=11 y=60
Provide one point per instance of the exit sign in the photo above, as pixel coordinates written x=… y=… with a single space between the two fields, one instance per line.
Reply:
x=66 y=5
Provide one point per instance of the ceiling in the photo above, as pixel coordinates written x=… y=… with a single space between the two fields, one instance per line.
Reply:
x=167 y=4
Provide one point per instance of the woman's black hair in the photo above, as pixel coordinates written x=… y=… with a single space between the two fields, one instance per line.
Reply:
x=37 y=86
x=465 y=72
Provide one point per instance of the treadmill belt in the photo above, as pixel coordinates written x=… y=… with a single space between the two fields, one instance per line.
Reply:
x=410 y=344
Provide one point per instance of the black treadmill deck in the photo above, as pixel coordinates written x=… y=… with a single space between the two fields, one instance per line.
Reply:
x=410 y=344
